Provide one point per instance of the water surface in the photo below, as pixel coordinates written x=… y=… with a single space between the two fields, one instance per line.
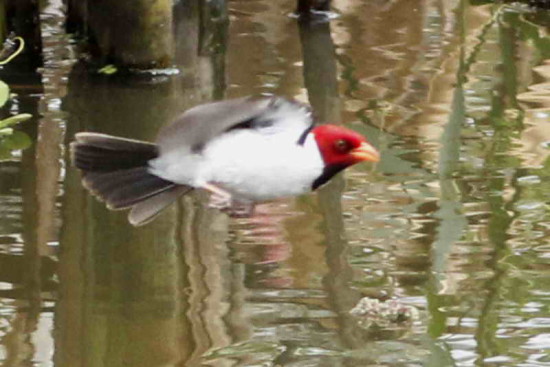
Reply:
x=454 y=220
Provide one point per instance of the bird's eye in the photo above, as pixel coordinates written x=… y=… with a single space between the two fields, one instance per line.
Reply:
x=342 y=145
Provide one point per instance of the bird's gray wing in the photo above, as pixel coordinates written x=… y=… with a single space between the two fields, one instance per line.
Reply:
x=284 y=117
x=199 y=124
x=195 y=127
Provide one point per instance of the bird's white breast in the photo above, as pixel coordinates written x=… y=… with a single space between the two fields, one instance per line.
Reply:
x=249 y=164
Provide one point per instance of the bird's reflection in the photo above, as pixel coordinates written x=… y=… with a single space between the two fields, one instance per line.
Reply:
x=259 y=242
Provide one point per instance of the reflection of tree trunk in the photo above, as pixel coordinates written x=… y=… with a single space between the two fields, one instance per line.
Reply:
x=204 y=235
x=499 y=224
x=131 y=289
x=49 y=140
x=123 y=298
x=322 y=85
x=17 y=342
x=498 y=228
x=22 y=19
x=120 y=287
x=25 y=81
x=48 y=147
x=451 y=221
x=74 y=274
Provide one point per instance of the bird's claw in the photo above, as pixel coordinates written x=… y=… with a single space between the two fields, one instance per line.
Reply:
x=240 y=209
x=235 y=209
x=221 y=202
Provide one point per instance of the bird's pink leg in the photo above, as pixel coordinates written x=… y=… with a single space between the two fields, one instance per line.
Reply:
x=220 y=199
x=223 y=200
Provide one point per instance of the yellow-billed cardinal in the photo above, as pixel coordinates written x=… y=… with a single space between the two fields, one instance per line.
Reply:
x=244 y=150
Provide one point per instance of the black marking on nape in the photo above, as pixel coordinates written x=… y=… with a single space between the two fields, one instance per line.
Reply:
x=328 y=173
x=303 y=137
x=247 y=124
x=253 y=123
x=262 y=122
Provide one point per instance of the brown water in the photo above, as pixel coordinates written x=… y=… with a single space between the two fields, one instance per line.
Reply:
x=455 y=219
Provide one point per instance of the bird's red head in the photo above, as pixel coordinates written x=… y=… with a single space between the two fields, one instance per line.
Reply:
x=343 y=147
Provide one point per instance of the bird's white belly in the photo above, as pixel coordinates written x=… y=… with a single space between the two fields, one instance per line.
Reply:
x=259 y=167
x=249 y=165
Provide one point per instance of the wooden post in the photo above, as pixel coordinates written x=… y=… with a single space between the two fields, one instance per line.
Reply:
x=305 y=7
x=136 y=34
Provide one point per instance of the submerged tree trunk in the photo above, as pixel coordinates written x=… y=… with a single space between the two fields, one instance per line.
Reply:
x=135 y=34
x=141 y=34
x=306 y=6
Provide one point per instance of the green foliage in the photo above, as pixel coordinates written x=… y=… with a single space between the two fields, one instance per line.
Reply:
x=108 y=69
x=13 y=120
x=10 y=139
x=16 y=140
x=4 y=93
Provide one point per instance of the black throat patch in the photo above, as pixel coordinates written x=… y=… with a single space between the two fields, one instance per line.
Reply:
x=328 y=173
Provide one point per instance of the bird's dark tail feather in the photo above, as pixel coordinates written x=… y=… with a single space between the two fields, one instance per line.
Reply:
x=116 y=171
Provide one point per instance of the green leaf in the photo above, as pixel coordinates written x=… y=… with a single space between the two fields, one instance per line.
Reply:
x=6 y=131
x=108 y=69
x=5 y=153
x=13 y=120
x=16 y=141
x=4 y=93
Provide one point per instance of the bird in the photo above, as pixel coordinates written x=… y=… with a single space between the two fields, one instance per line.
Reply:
x=242 y=151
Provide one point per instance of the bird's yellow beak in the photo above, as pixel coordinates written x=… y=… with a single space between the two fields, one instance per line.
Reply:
x=365 y=152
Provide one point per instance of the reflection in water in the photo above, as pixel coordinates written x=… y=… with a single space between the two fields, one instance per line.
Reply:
x=125 y=288
x=454 y=220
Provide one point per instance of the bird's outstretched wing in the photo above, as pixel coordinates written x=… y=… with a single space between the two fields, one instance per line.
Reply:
x=198 y=125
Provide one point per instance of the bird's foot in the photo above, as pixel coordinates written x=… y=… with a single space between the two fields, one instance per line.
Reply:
x=220 y=202
x=240 y=209
x=220 y=199
x=233 y=208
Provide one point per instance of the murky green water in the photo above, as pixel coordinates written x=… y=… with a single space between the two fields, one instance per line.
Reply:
x=455 y=219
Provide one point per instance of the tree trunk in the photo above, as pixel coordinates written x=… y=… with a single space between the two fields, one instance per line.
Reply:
x=305 y=7
x=136 y=34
